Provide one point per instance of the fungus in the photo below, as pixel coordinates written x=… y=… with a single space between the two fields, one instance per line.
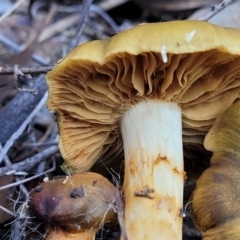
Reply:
x=75 y=209
x=140 y=91
x=215 y=201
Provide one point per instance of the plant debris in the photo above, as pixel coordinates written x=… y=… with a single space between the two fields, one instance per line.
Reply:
x=33 y=37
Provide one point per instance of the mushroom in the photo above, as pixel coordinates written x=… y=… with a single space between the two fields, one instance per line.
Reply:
x=215 y=201
x=75 y=207
x=140 y=90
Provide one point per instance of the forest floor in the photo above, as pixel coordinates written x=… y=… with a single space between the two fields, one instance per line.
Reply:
x=33 y=36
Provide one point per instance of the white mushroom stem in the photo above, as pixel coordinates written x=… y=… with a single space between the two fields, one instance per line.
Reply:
x=154 y=175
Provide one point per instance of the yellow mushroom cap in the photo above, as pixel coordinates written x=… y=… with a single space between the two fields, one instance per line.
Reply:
x=193 y=63
x=215 y=201
x=224 y=134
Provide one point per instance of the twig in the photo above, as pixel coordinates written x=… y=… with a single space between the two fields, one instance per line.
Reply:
x=93 y=9
x=85 y=10
x=27 y=164
x=215 y=9
x=12 y=139
x=44 y=144
x=109 y=4
x=51 y=30
x=22 y=187
x=18 y=49
x=29 y=179
x=12 y=9
x=8 y=211
x=25 y=70
x=19 y=86
x=59 y=26
x=9 y=164
x=17 y=110
x=6 y=159
x=73 y=18
x=26 y=54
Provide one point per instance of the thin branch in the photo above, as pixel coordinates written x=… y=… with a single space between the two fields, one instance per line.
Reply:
x=93 y=9
x=44 y=144
x=22 y=187
x=12 y=9
x=17 y=110
x=6 y=158
x=20 y=130
x=106 y=17
x=215 y=9
x=27 y=164
x=9 y=164
x=24 y=70
x=110 y=4
x=73 y=18
x=19 y=86
x=87 y=7
x=85 y=10
x=8 y=211
x=29 y=179
x=19 y=48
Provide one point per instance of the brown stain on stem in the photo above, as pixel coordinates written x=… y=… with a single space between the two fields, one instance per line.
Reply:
x=160 y=159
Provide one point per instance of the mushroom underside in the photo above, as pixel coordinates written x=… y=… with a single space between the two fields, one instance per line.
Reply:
x=90 y=100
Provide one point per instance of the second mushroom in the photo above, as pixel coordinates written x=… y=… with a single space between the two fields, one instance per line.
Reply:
x=156 y=87
x=75 y=207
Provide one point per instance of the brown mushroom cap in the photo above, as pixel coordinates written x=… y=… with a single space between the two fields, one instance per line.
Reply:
x=193 y=63
x=81 y=203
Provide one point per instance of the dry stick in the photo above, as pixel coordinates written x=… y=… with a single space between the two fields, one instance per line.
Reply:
x=6 y=159
x=103 y=14
x=19 y=86
x=20 y=130
x=8 y=211
x=216 y=9
x=22 y=187
x=55 y=29
x=25 y=56
x=27 y=164
x=10 y=10
x=10 y=142
x=17 y=110
x=43 y=144
x=19 y=48
x=30 y=178
x=52 y=30
x=58 y=27
x=9 y=164
x=109 y=4
x=106 y=17
x=85 y=10
x=25 y=70
x=93 y=9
